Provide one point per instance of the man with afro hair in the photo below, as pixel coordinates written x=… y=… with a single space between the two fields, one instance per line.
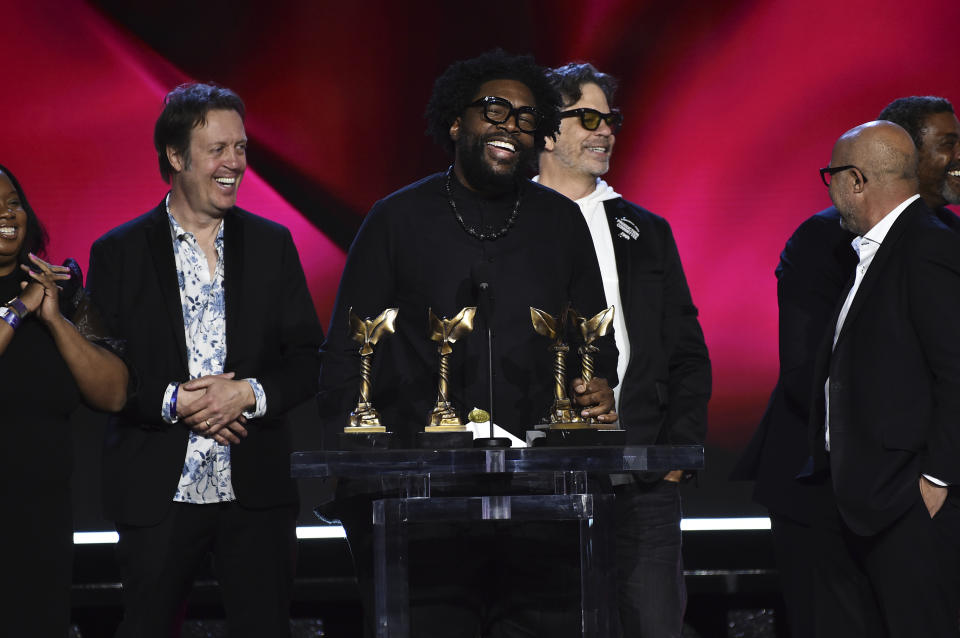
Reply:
x=428 y=247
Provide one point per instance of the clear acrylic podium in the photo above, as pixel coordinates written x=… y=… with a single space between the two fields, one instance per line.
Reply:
x=558 y=475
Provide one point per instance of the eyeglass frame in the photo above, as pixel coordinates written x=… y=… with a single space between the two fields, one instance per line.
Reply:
x=832 y=170
x=604 y=117
x=514 y=111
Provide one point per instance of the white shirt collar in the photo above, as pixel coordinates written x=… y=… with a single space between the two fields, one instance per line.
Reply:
x=882 y=227
x=601 y=193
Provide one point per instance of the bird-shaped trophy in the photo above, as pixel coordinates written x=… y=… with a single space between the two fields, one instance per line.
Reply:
x=368 y=332
x=443 y=417
x=562 y=414
x=591 y=330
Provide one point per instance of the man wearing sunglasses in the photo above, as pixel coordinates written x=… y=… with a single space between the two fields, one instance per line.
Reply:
x=663 y=359
x=434 y=245
x=814 y=267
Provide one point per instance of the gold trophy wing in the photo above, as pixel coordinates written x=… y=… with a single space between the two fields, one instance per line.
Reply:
x=599 y=324
x=436 y=327
x=358 y=328
x=461 y=325
x=359 y=331
x=447 y=331
x=384 y=324
x=543 y=323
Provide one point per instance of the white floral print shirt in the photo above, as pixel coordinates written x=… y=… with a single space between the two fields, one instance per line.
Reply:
x=206 y=471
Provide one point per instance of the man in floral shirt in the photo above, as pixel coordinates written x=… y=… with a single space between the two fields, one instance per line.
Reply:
x=222 y=340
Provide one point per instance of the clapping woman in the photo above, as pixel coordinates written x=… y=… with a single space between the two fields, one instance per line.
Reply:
x=53 y=355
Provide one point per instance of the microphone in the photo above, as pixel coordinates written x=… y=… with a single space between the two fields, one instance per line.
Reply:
x=480 y=274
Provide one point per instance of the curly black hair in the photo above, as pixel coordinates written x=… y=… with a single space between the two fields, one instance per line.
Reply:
x=35 y=240
x=911 y=113
x=457 y=87
x=570 y=78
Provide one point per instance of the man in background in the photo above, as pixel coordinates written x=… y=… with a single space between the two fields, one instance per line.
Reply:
x=816 y=262
x=663 y=361
x=883 y=422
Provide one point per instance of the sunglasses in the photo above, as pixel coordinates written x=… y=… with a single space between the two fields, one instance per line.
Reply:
x=497 y=110
x=590 y=118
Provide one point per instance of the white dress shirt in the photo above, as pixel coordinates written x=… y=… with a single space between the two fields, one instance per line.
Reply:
x=866 y=247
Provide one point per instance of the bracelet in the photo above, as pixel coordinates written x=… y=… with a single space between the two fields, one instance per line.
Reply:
x=16 y=305
x=173 y=402
x=10 y=316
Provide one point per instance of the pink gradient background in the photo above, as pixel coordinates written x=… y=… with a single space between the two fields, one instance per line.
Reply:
x=730 y=110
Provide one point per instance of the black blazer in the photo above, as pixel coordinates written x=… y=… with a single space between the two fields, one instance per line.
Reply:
x=272 y=334
x=664 y=393
x=894 y=376
x=815 y=265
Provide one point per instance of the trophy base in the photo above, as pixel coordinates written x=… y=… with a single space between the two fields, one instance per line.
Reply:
x=445 y=428
x=580 y=437
x=444 y=440
x=576 y=425
x=366 y=440
x=360 y=429
x=604 y=426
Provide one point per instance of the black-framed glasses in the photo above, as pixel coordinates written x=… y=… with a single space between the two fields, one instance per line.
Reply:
x=826 y=174
x=590 y=118
x=497 y=110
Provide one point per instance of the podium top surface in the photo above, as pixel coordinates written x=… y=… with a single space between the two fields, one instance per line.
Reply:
x=367 y=463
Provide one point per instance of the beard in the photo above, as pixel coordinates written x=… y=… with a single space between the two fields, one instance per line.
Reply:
x=949 y=194
x=481 y=174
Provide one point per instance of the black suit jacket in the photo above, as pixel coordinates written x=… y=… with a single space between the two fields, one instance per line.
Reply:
x=815 y=265
x=273 y=335
x=664 y=393
x=894 y=376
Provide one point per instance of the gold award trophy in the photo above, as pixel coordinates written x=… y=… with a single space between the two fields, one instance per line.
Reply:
x=443 y=418
x=562 y=414
x=592 y=329
x=368 y=332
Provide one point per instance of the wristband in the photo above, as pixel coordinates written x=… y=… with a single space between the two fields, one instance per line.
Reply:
x=173 y=402
x=16 y=305
x=8 y=315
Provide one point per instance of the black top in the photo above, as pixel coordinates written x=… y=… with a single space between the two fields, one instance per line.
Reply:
x=411 y=253
x=665 y=390
x=894 y=387
x=38 y=394
x=815 y=266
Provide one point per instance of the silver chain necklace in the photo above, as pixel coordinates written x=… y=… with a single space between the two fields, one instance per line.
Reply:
x=473 y=232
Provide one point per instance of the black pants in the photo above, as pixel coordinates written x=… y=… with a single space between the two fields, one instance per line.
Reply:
x=36 y=559
x=821 y=582
x=651 y=593
x=254 y=557
x=900 y=583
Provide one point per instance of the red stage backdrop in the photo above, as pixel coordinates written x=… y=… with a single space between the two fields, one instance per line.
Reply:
x=730 y=109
